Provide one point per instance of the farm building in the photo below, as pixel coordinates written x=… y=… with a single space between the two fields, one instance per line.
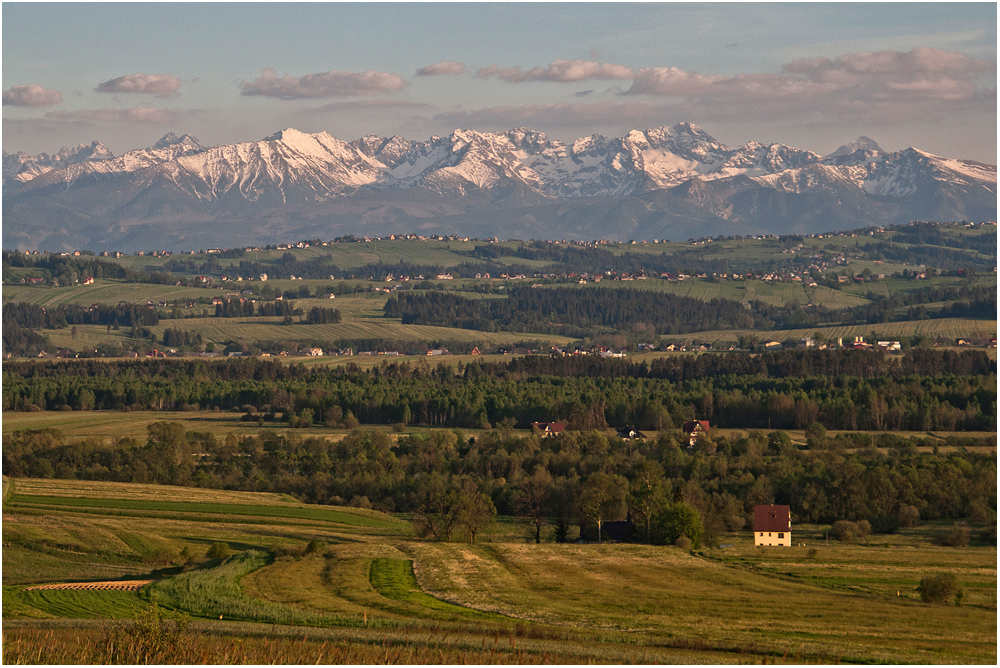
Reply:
x=616 y=531
x=695 y=429
x=772 y=525
x=549 y=429
x=628 y=433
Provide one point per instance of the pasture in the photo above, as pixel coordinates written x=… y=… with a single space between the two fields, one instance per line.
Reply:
x=248 y=331
x=947 y=328
x=317 y=583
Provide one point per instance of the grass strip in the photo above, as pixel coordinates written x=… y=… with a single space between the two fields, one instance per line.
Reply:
x=75 y=604
x=394 y=579
x=294 y=512
x=216 y=593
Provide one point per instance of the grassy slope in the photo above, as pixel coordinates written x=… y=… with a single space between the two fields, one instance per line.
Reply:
x=839 y=605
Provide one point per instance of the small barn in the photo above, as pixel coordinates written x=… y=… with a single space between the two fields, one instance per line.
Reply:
x=772 y=525
x=695 y=429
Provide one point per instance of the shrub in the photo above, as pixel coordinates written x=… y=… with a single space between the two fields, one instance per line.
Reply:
x=683 y=542
x=218 y=551
x=676 y=520
x=957 y=537
x=812 y=553
x=885 y=524
x=314 y=546
x=864 y=528
x=939 y=588
x=845 y=531
x=360 y=502
x=908 y=516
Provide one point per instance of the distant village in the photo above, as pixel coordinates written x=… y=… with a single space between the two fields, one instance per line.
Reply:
x=821 y=261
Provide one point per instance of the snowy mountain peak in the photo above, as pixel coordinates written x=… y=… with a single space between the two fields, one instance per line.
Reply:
x=288 y=135
x=186 y=140
x=861 y=143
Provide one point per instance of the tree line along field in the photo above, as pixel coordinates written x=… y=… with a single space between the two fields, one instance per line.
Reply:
x=312 y=587
x=109 y=425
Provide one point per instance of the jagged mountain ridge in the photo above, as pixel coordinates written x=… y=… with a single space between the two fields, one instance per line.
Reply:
x=681 y=177
x=19 y=168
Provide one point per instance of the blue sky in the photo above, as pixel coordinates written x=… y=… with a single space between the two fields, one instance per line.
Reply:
x=811 y=75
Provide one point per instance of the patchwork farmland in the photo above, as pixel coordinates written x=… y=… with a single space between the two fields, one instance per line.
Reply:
x=337 y=581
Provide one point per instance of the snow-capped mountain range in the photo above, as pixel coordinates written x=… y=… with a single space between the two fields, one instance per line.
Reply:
x=670 y=181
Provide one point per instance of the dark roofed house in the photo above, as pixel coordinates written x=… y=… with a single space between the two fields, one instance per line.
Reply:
x=549 y=429
x=628 y=433
x=772 y=525
x=694 y=429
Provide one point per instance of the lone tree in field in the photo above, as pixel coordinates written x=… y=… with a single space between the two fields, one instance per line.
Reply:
x=476 y=509
x=646 y=494
x=533 y=496
x=602 y=498
x=438 y=505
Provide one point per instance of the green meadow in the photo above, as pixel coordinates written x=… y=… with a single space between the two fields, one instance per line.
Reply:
x=328 y=577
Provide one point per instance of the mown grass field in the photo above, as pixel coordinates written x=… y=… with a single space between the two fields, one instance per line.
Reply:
x=506 y=599
x=948 y=328
x=107 y=425
x=250 y=330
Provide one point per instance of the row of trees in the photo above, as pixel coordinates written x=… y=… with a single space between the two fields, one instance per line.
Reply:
x=574 y=312
x=66 y=315
x=850 y=390
x=450 y=481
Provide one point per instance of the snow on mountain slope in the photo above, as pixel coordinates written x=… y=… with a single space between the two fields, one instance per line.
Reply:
x=859 y=144
x=756 y=160
x=20 y=168
x=482 y=159
x=288 y=163
x=127 y=163
x=666 y=181
x=295 y=166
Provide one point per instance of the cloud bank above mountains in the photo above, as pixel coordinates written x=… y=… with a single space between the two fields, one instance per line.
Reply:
x=804 y=74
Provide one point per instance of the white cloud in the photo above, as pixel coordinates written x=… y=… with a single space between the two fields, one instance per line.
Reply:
x=323 y=84
x=562 y=114
x=31 y=96
x=854 y=85
x=150 y=115
x=374 y=105
x=442 y=67
x=559 y=70
x=160 y=85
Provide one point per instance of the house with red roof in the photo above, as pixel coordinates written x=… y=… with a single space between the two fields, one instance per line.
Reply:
x=695 y=429
x=772 y=525
x=549 y=429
